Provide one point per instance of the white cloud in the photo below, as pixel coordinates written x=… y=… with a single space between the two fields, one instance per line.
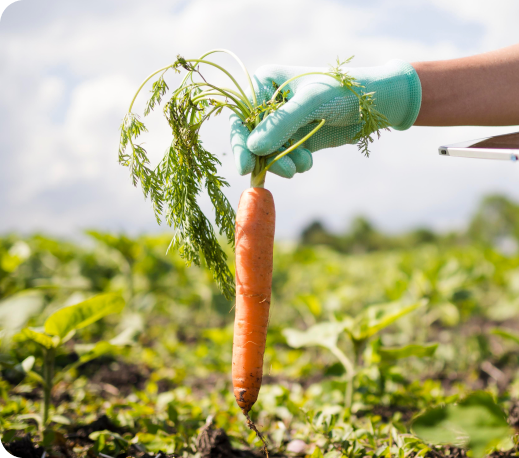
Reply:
x=70 y=69
x=499 y=18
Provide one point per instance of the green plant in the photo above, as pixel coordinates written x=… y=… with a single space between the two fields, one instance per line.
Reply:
x=359 y=330
x=58 y=329
x=183 y=367
x=187 y=167
x=506 y=334
x=476 y=422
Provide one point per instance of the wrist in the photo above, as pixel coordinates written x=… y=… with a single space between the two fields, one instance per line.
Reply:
x=398 y=92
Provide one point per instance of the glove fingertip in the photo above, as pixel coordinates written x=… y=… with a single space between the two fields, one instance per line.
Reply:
x=302 y=158
x=244 y=160
x=283 y=167
x=269 y=135
x=258 y=142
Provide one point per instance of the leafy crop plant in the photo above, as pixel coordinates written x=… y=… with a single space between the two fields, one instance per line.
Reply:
x=58 y=329
x=360 y=330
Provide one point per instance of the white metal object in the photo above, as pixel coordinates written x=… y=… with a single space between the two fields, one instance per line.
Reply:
x=501 y=148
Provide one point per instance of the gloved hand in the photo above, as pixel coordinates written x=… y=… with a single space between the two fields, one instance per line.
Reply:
x=397 y=95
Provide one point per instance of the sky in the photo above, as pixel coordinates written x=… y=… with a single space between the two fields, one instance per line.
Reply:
x=69 y=69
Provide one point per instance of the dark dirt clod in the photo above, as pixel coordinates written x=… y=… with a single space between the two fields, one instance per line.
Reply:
x=24 y=448
x=165 y=384
x=186 y=338
x=214 y=443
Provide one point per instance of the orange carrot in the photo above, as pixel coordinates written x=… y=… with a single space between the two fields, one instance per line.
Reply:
x=255 y=225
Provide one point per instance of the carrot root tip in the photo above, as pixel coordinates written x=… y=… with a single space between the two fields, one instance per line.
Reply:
x=253 y=427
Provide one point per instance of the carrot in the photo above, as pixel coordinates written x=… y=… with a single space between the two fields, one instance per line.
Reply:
x=255 y=226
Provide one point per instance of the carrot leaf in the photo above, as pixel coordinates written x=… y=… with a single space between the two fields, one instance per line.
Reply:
x=187 y=169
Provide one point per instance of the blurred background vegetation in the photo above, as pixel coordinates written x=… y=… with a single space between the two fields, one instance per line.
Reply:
x=495 y=224
x=172 y=344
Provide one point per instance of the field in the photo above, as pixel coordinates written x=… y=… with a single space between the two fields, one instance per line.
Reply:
x=378 y=345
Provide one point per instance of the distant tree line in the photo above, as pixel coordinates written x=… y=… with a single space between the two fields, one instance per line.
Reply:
x=495 y=223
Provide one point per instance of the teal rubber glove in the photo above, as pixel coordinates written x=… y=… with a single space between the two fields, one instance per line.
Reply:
x=397 y=95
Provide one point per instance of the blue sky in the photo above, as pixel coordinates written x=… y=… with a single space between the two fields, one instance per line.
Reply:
x=69 y=68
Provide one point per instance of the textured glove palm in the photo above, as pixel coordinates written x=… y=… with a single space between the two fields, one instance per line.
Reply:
x=314 y=97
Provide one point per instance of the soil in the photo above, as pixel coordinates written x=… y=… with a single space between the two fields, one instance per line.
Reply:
x=123 y=376
x=214 y=443
x=115 y=376
x=446 y=452
x=102 y=423
x=456 y=452
x=187 y=338
x=165 y=384
x=60 y=394
x=387 y=412
x=489 y=373
x=64 y=445
x=134 y=453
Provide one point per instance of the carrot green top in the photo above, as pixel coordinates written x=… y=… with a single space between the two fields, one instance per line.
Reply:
x=187 y=169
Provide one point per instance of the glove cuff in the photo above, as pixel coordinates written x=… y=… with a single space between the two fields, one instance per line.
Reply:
x=410 y=93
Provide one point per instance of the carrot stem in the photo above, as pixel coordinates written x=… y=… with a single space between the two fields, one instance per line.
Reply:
x=260 y=177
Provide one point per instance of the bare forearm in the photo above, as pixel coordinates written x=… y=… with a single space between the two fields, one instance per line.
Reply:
x=479 y=90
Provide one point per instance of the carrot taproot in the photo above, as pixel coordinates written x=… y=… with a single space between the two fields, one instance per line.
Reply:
x=255 y=227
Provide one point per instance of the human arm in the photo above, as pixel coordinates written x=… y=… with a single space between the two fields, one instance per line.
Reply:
x=478 y=90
